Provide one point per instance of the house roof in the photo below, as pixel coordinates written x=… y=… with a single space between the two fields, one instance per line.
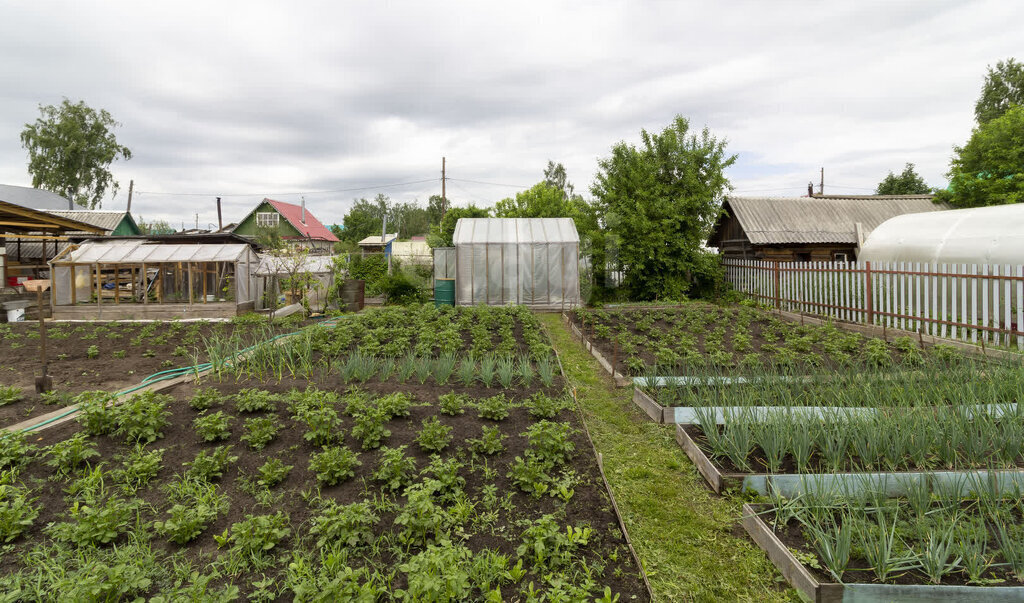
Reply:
x=107 y=220
x=374 y=240
x=821 y=219
x=312 y=228
x=117 y=251
x=33 y=198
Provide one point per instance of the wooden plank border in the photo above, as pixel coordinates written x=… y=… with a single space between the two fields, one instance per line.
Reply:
x=620 y=379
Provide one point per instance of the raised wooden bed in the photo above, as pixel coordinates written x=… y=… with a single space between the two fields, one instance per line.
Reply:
x=809 y=586
x=894 y=483
x=620 y=379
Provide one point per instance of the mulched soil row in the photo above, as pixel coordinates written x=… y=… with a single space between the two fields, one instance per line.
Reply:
x=589 y=505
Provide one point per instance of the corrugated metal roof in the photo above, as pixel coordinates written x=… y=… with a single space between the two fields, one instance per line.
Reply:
x=314 y=264
x=33 y=198
x=107 y=220
x=781 y=220
x=375 y=239
x=515 y=230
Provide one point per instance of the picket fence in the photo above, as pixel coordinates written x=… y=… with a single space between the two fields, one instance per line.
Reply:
x=970 y=302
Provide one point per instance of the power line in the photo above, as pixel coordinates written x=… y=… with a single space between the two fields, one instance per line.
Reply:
x=338 y=190
x=489 y=183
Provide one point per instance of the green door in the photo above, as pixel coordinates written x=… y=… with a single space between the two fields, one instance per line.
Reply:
x=444 y=292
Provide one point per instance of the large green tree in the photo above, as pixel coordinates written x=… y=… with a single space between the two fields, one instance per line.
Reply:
x=989 y=169
x=70 y=149
x=909 y=182
x=1003 y=88
x=364 y=218
x=659 y=202
x=442 y=235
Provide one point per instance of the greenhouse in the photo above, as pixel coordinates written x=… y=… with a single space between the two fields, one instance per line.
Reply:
x=980 y=235
x=529 y=261
x=127 y=280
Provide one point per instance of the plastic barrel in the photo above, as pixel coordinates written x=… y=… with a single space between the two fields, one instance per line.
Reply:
x=352 y=297
x=444 y=292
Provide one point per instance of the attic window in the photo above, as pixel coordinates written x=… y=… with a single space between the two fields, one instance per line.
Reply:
x=267 y=219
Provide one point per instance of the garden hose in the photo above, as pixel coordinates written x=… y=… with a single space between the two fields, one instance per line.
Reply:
x=179 y=372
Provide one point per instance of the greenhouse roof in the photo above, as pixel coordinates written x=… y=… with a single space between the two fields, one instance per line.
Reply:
x=138 y=252
x=515 y=230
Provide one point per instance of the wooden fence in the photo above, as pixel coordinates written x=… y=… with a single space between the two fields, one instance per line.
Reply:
x=969 y=302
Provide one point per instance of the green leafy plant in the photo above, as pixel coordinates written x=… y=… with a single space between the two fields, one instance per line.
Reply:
x=17 y=510
x=255 y=400
x=142 y=417
x=495 y=408
x=9 y=394
x=257 y=534
x=350 y=525
x=93 y=522
x=92 y=351
x=204 y=398
x=541 y=406
x=69 y=454
x=273 y=472
x=260 y=431
x=195 y=505
x=369 y=427
x=490 y=441
x=452 y=404
x=15 y=450
x=211 y=464
x=434 y=436
x=213 y=427
x=334 y=464
x=395 y=469
x=96 y=415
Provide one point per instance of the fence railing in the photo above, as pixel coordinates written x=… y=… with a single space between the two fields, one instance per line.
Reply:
x=970 y=302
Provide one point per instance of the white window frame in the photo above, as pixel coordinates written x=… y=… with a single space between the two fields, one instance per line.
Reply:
x=267 y=219
x=840 y=256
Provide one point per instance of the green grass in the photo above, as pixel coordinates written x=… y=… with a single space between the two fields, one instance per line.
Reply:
x=688 y=539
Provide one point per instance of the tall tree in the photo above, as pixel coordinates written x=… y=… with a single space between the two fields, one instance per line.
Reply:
x=989 y=169
x=907 y=183
x=442 y=235
x=70 y=149
x=1003 y=88
x=555 y=176
x=364 y=219
x=659 y=203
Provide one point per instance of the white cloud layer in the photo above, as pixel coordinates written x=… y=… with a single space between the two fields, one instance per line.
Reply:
x=264 y=98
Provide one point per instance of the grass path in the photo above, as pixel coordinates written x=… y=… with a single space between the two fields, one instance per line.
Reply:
x=688 y=539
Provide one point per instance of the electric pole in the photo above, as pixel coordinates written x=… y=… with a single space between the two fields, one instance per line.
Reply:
x=131 y=188
x=444 y=198
x=821 y=187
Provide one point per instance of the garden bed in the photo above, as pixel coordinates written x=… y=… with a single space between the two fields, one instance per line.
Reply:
x=532 y=516
x=914 y=558
x=703 y=339
x=108 y=356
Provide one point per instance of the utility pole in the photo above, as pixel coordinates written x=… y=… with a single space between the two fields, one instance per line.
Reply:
x=131 y=188
x=821 y=187
x=444 y=197
x=220 y=221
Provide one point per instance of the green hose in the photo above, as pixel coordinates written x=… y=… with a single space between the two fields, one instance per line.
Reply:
x=177 y=372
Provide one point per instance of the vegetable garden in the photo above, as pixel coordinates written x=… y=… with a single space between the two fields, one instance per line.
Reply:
x=369 y=461
x=877 y=464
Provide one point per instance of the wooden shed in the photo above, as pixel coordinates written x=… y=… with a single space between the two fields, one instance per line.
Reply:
x=819 y=228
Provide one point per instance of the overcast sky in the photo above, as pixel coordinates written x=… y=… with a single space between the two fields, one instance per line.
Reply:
x=252 y=99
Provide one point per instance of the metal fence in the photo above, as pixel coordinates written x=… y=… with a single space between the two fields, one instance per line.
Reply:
x=970 y=302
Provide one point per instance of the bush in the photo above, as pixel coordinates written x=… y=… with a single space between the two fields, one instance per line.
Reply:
x=372 y=269
x=401 y=290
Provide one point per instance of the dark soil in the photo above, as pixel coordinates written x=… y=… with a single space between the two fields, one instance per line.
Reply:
x=69 y=365
x=589 y=505
x=816 y=360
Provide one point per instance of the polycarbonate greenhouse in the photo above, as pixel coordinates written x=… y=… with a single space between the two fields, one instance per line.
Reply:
x=138 y=280
x=529 y=261
x=980 y=235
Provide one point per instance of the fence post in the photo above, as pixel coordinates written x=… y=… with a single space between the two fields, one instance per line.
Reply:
x=867 y=293
x=778 y=291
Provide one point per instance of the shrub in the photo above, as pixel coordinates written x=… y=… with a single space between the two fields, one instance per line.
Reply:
x=213 y=427
x=399 y=289
x=334 y=464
